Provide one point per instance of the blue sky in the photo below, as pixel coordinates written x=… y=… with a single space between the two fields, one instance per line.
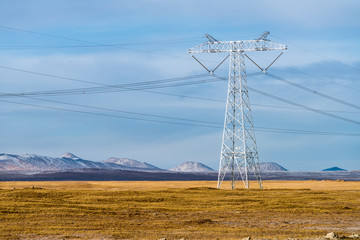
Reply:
x=323 y=54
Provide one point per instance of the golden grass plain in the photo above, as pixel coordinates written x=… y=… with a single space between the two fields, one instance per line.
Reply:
x=177 y=209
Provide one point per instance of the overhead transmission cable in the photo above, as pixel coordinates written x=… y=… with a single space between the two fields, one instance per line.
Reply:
x=305 y=107
x=318 y=54
x=313 y=91
x=110 y=115
x=72 y=39
x=43 y=34
x=98 y=44
x=114 y=88
x=323 y=77
x=122 y=111
x=301 y=109
x=179 y=40
x=50 y=75
x=156 y=92
x=198 y=122
x=298 y=104
x=116 y=45
x=261 y=129
x=161 y=116
x=89 y=42
x=25 y=47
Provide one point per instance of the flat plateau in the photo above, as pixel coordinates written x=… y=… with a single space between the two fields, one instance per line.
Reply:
x=177 y=209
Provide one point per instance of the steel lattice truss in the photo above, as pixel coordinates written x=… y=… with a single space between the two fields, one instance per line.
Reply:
x=239 y=155
x=241 y=46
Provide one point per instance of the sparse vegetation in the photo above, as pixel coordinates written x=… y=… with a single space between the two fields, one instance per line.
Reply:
x=85 y=211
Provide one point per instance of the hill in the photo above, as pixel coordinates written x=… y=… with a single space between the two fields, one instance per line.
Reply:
x=334 y=169
x=192 y=167
x=126 y=162
x=271 y=167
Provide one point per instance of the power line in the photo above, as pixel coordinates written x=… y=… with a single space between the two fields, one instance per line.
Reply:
x=299 y=105
x=319 y=54
x=109 y=115
x=82 y=90
x=326 y=77
x=50 y=75
x=97 y=83
x=297 y=131
x=43 y=34
x=179 y=40
x=103 y=84
x=109 y=89
x=261 y=129
x=122 y=111
x=89 y=42
x=96 y=44
x=29 y=47
x=313 y=91
x=301 y=109
x=157 y=92
x=276 y=130
x=305 y=107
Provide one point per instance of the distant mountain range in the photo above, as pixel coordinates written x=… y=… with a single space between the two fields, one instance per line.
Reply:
x=32 y=163
x=68 y=167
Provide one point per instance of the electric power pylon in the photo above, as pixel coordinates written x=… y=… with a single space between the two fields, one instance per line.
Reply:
x=239 y=155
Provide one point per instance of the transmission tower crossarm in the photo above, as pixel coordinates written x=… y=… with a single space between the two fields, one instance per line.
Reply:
x=239 y=46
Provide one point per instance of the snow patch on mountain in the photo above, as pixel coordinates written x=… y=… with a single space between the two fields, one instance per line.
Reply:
x=129 y=163
x=192 y=167
x=69 y=155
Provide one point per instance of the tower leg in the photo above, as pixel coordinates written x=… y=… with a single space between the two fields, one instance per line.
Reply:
x=239 y=155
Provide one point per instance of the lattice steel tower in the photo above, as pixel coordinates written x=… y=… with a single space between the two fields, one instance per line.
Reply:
x=239 y=155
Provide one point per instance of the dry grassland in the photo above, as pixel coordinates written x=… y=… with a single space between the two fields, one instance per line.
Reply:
x=173 y=210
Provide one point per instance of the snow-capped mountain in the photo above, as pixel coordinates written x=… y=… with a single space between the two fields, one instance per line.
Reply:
x=271 y=167
x=31 y=163
x=192 y=167
x=36 y=163
x=130 y=163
